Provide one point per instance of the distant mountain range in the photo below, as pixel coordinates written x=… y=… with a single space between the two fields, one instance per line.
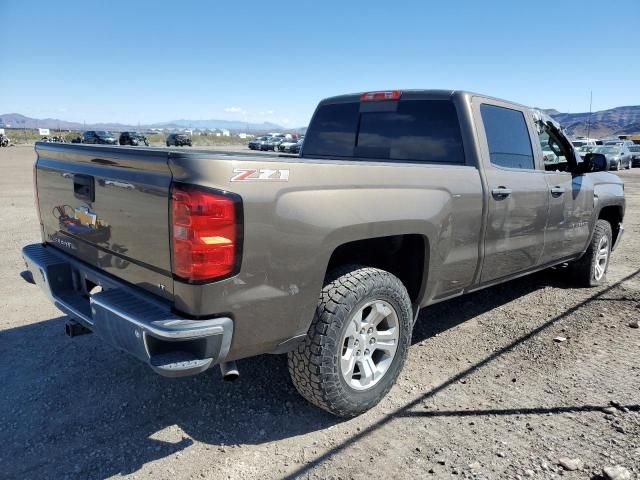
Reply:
x=16 y=120
x=605 y=123
x=211 y=124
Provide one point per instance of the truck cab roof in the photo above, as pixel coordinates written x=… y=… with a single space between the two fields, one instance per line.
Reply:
x=415 y=94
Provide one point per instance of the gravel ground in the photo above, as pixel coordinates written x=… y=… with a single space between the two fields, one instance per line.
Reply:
x=486 y=391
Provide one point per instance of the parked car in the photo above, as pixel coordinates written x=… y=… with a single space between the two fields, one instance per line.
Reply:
x=265 y=143
x=100 y=137
x=619 y=156
x=133 y=138
x=296 y=148
x=256 y=143
x=273 y=142
x=178 y=140
x=548 y=155
x=53 y=139
x=286 y=145
x=635 y=155
x=217 y=257
x=626 y=143
x=584 y=142
x=584 y=150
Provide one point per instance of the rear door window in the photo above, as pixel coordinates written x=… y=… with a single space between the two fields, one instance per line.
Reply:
x=507 y=137
x=417 y=131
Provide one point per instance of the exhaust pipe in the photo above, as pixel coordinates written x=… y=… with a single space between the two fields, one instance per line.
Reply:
x=75 y=329
x=229 y=371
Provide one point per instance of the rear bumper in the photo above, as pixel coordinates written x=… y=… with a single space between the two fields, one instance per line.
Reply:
x=128 y=319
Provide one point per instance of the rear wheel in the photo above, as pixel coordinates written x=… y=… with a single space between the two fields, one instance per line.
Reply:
x=591 y=269
x=357 y=343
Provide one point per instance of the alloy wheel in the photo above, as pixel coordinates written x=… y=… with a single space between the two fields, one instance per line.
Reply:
x=369 y=344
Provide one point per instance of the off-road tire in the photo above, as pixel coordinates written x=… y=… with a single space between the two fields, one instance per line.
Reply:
x=584 y=269
x=315 y=365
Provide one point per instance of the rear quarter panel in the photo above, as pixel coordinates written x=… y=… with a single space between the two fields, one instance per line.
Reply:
x=292 y=227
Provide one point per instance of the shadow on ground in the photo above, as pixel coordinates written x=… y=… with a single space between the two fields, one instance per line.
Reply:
x=445 y=315
x=77 y=406
x=453 y=314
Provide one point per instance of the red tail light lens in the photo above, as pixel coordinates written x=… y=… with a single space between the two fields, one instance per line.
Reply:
x=205 y=233
x=384 y=95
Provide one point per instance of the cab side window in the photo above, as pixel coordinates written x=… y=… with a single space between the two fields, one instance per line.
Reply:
x=553 y=153
x=507 y=137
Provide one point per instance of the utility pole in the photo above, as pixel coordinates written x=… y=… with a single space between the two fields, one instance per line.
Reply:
x=589 y=120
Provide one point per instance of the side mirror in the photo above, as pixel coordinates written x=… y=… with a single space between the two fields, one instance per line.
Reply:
x=595 y=162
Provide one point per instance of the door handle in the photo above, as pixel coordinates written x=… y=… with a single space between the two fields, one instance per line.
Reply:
x=557 y=191
x=501 y=192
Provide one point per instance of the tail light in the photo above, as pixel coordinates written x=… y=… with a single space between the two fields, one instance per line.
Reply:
x=206 y=233
x=384 y=95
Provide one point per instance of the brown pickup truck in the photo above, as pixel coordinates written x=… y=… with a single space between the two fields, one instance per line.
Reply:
x=398 y=200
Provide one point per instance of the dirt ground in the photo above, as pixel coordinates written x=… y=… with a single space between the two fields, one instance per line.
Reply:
x=486 y=391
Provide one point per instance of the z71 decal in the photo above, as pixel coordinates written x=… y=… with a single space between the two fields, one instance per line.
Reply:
x=255 y=174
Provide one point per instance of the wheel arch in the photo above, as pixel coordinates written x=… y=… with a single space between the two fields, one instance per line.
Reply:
x=407 y=256
x=614 y=215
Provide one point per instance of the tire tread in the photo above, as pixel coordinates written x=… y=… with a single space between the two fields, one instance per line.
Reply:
x=311 y=366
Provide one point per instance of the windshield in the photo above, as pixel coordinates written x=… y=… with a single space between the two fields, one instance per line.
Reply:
x=635 y=149
x=102 y=133
x=578 y=144
x=586 y=148
x=607 y=150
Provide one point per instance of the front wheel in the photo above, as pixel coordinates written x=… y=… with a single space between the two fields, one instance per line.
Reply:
x=591 y=269
x=357 y=343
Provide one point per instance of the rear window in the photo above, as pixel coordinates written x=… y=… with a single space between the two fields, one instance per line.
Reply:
x=507 y=137
x=417 y=131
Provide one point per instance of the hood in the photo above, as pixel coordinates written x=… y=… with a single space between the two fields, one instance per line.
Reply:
x=605 y=178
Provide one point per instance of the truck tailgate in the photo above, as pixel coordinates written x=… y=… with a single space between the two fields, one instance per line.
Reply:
x=108 y=206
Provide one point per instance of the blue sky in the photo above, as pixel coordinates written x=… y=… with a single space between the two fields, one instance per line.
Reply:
x=142 y=61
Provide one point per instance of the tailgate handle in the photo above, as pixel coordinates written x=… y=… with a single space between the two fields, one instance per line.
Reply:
x=84 y=187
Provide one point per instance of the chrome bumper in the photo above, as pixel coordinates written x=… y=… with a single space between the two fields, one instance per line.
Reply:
x=127 y=318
